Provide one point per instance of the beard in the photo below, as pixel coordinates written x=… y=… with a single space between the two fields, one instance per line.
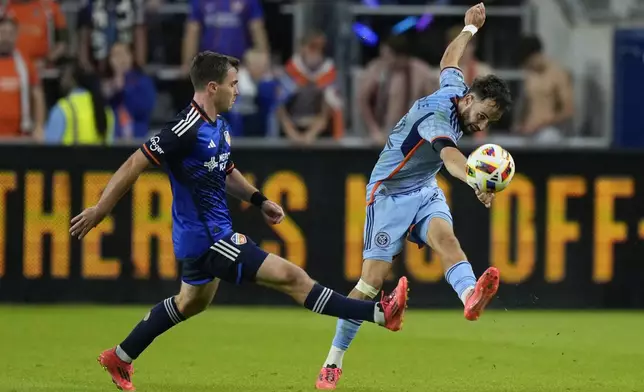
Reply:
x=465 y=125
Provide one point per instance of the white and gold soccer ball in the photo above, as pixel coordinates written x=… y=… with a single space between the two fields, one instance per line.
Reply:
x=490 y=168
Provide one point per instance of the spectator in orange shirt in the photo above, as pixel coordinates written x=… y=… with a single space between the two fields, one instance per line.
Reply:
x=22 y=111
x=42 y=32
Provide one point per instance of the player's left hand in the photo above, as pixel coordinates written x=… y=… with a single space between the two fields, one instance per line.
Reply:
x=485 y=198
x=273 y=213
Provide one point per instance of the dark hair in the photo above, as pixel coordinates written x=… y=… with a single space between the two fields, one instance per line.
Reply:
x=90 y=82
x=494 y=88
x=528 y=46
x=398 y=44
x=210 y=67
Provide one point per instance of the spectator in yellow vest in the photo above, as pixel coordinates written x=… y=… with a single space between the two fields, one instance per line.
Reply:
x=82 y=116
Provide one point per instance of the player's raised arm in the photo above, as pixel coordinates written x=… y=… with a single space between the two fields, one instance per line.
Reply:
x=474 y=19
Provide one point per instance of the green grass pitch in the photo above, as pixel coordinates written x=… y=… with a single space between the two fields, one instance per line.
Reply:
x=262 y=349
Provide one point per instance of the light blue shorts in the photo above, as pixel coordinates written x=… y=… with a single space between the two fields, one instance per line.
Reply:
x=391 y=218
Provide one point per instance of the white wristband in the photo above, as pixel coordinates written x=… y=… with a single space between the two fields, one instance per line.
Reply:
x=471 y=28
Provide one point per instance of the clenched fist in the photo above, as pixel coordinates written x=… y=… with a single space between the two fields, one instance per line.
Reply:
x=475 y=16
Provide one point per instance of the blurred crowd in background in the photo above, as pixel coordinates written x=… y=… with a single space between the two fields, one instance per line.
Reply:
x=109 y=71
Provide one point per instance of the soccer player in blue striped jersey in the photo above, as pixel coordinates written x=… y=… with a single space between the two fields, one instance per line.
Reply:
x=194 y=151
x=404 y=200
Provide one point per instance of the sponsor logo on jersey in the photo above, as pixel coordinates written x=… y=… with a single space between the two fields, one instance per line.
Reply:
x=154 y=145
x=211 y=164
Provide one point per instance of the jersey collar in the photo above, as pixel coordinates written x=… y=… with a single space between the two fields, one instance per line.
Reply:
x=202 y=112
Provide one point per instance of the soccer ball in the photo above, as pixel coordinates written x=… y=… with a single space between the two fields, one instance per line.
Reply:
x=490 y=168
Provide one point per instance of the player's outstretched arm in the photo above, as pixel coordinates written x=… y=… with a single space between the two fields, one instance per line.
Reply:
x=118 y=185
x=455 y=162
x=238 y=187
x=474 y=20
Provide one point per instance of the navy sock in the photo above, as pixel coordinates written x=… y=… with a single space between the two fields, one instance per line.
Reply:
x=326 y=301
x=161 y=318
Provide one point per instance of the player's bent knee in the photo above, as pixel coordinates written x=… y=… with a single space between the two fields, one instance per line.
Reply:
x=296 y=283
x=297 y=279
x=440 y=236
x=191 y=306
x=447 y=242
x=289 y=274
x=449 y=248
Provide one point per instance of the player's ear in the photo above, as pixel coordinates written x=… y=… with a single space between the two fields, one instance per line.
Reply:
x=212 y=87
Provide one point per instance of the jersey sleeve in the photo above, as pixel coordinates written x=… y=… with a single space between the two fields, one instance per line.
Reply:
x=230 y=166
x=168 y=145
x=452 y=77
x=438 y=129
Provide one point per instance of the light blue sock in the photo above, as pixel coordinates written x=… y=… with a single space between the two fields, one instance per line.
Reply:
x=461 y=277
x=345 y=332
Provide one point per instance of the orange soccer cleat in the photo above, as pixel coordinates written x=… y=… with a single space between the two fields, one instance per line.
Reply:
x=120 y=370
x=484 y=291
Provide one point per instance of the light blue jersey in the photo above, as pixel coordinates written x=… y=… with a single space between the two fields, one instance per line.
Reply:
x=408 y=160
x=402 y=194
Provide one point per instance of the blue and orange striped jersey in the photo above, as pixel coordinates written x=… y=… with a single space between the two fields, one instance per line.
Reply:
x=409 y=161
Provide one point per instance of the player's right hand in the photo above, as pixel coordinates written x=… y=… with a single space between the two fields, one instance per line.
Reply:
x=86 y=221
x=485 y=198
x=475 y=16
x=273 y=213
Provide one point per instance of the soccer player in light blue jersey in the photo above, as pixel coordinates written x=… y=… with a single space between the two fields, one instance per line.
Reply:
x=403 y=197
